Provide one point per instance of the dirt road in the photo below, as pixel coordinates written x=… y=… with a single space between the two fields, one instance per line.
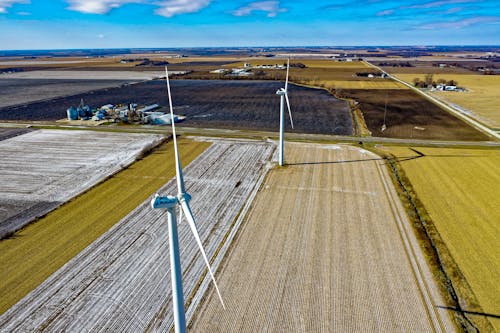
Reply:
x=326 y=247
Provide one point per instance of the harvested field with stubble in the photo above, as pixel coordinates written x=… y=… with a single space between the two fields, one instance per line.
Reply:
x=42 y=169
x=234 y=104
x=121 y=282
x=460 y=190
x=481 y=99
x=325 y=247
x=6 y=133
x=409 y=115
x=41 y=248
x=23 y=91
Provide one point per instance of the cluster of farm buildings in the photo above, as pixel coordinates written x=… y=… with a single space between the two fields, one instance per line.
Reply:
x=245 y=71
x=130 y=112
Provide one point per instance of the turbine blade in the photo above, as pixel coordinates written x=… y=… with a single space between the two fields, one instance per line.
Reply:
x=287 y=68
x=289 y=111
x=192 y=225
x=180 y=215
x=178 y=168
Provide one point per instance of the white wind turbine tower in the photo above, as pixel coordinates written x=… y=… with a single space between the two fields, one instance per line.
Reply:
x=169 y=202
x=283 y=92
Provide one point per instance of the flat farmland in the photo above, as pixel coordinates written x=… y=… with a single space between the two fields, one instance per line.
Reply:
x=459 y=188
x=6 y=133
x=326 y=73
x=361 y=84
x=480 y=101
x=121 y=282
x=42 y=169
x=22 y=91
x=409 y=115
x=75 y=74
x=234 y=104
x=41 y=248
x=311 y=63
x=325 y=247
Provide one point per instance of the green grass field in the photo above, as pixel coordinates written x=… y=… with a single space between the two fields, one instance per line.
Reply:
x=38 y=250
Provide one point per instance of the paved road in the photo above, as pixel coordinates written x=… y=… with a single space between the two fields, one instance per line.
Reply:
x=215 y=132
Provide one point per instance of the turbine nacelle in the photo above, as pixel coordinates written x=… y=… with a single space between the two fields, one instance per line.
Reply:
x=281 y=92
x=167 y=202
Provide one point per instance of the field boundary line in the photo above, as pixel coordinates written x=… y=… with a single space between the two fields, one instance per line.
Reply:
x=397 y=212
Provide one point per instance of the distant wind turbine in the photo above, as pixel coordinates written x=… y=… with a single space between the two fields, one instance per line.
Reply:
x=169 y=202
x=283 y=92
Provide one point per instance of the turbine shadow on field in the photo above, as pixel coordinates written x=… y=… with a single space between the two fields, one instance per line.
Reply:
x=336 y=162
x=469 y=312
x=408 y=158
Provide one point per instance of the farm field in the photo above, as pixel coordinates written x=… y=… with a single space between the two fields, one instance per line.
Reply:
x=326 y=246
x=42 y=169
x=421 y=66
x=41 y=248
x=361 y=84
x=234 y=104
x=121 y=282
x=481 y=100
x=6 y=133
x=22 y=91
x=409 y=115
x=124 y=75
x=325 y=73
x=459 y=188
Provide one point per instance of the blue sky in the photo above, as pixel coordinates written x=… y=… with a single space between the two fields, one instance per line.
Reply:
x=65 y=24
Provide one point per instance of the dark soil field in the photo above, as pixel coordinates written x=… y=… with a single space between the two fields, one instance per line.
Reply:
x=410 y=116
x=234 y=104
x=6 y=133
x=23 y=91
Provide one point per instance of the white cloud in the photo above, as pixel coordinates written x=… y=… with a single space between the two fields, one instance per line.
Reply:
x=171 y=8
x=4 y=4
x=441 y=3
x=97 y=6
x=271 y=7
x=385 y=12
x=462 y=23
x=167 y=8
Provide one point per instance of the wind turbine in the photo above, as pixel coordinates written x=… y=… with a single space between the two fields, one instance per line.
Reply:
x=169 y=202
x=283 y=92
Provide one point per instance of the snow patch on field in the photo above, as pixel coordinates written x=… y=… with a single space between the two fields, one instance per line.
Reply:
x=121 y=282
x=54 y=166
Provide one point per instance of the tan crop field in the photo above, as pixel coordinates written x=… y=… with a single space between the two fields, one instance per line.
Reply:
x=325 y=247
x=327 y=73
x=460 y=190
x=481 y=100
x=311 y=63
x=43 y=247
x=365 y=84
